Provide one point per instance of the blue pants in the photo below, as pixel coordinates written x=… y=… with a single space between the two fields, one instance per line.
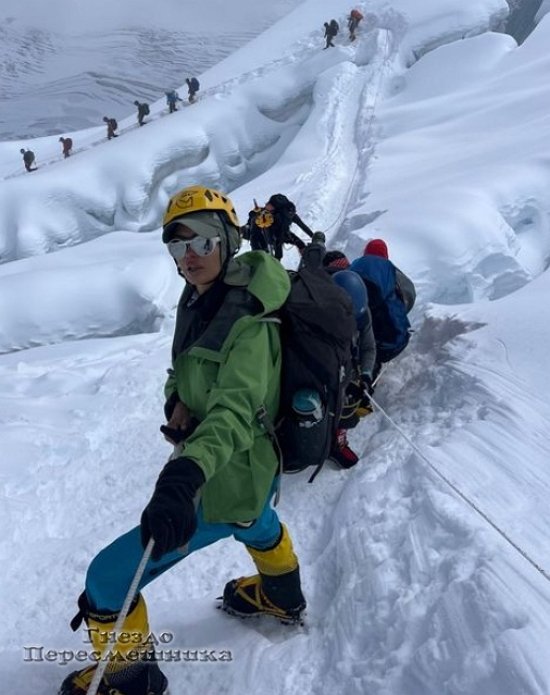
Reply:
x=112 y=570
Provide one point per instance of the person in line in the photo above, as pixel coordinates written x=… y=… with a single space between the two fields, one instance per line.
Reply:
x=67 y=145
x=331 y=30
x=142 y=111
x=219 y=482
x=334 y=261
x=28 y=159
x=112 y=126
x=391 y=297
x=353 y=22
x=274 y=221
x=172 y=98
x=363 y=354
x=193 y=87
x=356 y=402
x=405 y=286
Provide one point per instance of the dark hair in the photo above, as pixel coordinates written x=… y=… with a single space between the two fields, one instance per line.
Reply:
x=280 y=201
x=331 y=256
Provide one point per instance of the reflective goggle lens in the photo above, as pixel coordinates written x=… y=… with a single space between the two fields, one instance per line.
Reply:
x=198 y=244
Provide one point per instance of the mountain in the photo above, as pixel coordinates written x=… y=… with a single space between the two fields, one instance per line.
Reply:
x=61 y=76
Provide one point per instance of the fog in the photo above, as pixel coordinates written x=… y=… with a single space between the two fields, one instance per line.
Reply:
x=73 y=16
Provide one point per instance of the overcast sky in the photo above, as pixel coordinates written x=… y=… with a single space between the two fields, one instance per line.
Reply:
x=83 y=15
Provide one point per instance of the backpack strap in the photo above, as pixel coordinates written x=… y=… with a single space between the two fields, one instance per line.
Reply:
x=266 y=423
x=238 y=302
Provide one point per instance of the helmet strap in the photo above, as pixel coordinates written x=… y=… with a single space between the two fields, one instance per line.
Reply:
x=227 y=250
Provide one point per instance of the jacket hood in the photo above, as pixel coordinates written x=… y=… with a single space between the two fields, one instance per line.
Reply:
x=376 y=247
x=263 y=275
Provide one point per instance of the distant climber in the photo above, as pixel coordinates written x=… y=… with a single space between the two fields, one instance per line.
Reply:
x=331 y=30
x=28 y=159
x=353 y=22
x=193 y=87
x=112 y=125
x=142 y=111
x=67 y=146
x=172 y=97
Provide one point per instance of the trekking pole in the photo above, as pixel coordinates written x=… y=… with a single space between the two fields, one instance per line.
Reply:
x=132 y=591
x=462 y=496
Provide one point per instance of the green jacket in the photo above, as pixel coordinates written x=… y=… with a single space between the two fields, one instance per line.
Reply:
x=224 y=378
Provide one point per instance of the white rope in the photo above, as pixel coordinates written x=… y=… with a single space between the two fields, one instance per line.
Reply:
x=132 y=591
x=462 y=496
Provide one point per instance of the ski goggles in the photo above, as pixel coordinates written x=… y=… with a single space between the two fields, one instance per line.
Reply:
x=200 y=245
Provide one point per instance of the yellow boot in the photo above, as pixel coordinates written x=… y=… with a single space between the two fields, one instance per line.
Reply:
x=131 y=669
x=275 y=591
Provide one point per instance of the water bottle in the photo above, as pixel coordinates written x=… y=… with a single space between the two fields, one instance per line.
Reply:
x=305 y=434
x=308 y=407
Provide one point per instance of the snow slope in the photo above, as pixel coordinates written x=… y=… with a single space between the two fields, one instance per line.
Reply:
x=426 y=566
x=55 y=83
x=65 y=65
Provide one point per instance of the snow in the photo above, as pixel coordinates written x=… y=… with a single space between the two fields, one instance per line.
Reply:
x=425 y=567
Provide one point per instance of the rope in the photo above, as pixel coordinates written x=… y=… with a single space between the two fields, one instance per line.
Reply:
x=132 y=591
x=462 y=496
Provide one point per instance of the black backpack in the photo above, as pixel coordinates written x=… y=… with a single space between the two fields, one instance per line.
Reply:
x=194 y=84
x=146 y=110
x=113 y=123
x=317 y=333
x=281 y=203
x=284 y=208
x=334 y=26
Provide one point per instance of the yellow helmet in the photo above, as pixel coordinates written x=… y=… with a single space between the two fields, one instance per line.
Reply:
x=199 y=199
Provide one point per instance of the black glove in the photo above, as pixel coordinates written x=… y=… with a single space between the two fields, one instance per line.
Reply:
x=177 y=436
x=170 y=405
x=170 y=515
x=366 y=385
x=365 y=405
x=174 y=436
x=318 y=238
x=354 y=392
